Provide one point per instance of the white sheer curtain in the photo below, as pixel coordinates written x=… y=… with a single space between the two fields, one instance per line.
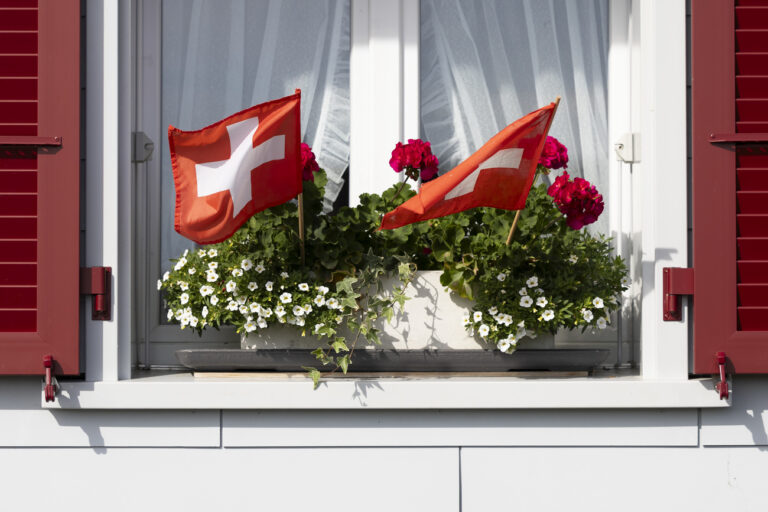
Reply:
x=485 y=64
x=219 y=57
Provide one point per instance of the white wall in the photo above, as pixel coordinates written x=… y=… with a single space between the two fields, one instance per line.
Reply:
x=392 y=460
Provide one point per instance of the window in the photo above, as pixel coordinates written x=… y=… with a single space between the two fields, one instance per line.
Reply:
x=384 y=79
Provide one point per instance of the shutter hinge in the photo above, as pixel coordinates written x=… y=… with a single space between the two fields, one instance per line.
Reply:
x=143 y=147
x=51 y=385
x=722 y=386
x=677 y=281
x=97 y=281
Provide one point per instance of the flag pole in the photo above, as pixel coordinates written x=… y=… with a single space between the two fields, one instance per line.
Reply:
x=301 y=228
x=517 y=215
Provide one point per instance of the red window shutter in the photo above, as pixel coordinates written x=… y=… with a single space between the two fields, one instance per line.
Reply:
x=729 y=113
x=39 y=186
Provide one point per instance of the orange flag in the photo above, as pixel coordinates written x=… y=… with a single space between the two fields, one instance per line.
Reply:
x=226 y=172
x=498 y=175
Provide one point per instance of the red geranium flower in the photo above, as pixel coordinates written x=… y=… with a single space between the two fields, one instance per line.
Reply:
x=415 y=158
x=578 y=200
x=554 y=155
x=308 y=163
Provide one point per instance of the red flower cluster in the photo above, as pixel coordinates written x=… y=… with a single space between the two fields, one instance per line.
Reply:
x=578 y=200
x=308 y=163
x=554 y=155
x=415 y=157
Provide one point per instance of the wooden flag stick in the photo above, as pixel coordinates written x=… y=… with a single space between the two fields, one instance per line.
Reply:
x=517 y=215
x=301 y=228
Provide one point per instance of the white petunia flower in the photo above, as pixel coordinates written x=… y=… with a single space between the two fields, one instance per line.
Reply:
x=466 y=320
x=526 y=301
x=268 y=286
x=523 y=291
x=280 y=311
x=267 y=312
x=166 y=275
x=214 y=300
x=319 y=300
x=501 y=276
x=541 y=302
x=252 y=286
x=539 y=291
x=286 y=298
x=532 y=282
x=573 y=258
x=243 y=309
x=503 y=345
x=597 y=302
x=332 y=303
x=193 y=321
x=241 y=299
x=477 y=316
x=246 y=264
x=250 y=326
x=204 y=312
x=304 y=287
x=186 y=251
x=307 y=308
x=506 y=319
x=159 y=284
x=548 y=315
x=284 y=275
x=300 y=322
x=626 y=281
x=212 y=265
x=322 y=289
x=183 y=285
x=206 y=290
x=201 y=252
x=180 y=264
x=483 y=330
x=237 y=272
x=298 y=310
x=262 y=323
x=231 y=286
x=212 y=253
x=259 y=268
x=602 y=323
x=184 y=298
x=178 y=314
x=232 y=305
x=211 y=276
x=492 y=311
x=170 y=314
x=587 y=315
x=318 y=327
x=192 y=271
x=281 y=319
x=254 y=307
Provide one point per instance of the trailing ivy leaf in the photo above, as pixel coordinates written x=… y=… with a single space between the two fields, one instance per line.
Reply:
x=338 y=345
x=343 y=363
x=314 y=374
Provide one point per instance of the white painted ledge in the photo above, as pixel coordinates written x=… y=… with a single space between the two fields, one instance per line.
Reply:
x=294 y=391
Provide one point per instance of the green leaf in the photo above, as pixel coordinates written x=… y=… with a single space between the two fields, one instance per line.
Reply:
x=338 y=345
x=343 y=363
x=314 y=374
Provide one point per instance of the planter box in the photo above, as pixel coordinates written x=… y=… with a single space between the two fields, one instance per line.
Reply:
x=431 y=319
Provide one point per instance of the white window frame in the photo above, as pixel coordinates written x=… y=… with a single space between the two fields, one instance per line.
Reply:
x=658 y=112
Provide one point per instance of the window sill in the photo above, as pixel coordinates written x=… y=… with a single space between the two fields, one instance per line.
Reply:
x=294 y=391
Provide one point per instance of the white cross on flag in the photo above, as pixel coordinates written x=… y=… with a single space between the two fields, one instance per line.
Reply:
x=498 y=175
x=226 y=172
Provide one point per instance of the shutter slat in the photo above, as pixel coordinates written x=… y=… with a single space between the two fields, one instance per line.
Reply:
x=751 y=295
x=18 y=66
x=752 y=202
x=753 y=319
x=753 y=271
x=752 y=179
x=18 y=88
x=24 y=297
x=18 y=42
x=751 y=63
x=753 y=109
x=752 y=16
x=18 y=251
x=752 y=225
x=16 y=19
x=18 y=274
x=18 y=181
x=18 y=320
x=752 y=248
x=752 y=86
x=18 y=112
x=752 y=40
x=751 y=127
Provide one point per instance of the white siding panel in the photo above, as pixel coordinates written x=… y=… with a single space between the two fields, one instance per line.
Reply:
x=609 y=479
x=23 y=423
x=745 y=422
x=461 y=428
x=354 y=480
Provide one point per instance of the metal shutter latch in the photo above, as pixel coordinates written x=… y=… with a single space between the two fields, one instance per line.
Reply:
x=51 y=385
x=722 y=386
x=677 y=281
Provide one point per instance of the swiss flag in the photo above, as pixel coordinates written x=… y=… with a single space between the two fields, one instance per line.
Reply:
x=226 y=172
x=498 y=175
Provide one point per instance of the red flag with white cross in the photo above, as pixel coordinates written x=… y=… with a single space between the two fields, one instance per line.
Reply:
x=499 y=175
x=226 y=172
